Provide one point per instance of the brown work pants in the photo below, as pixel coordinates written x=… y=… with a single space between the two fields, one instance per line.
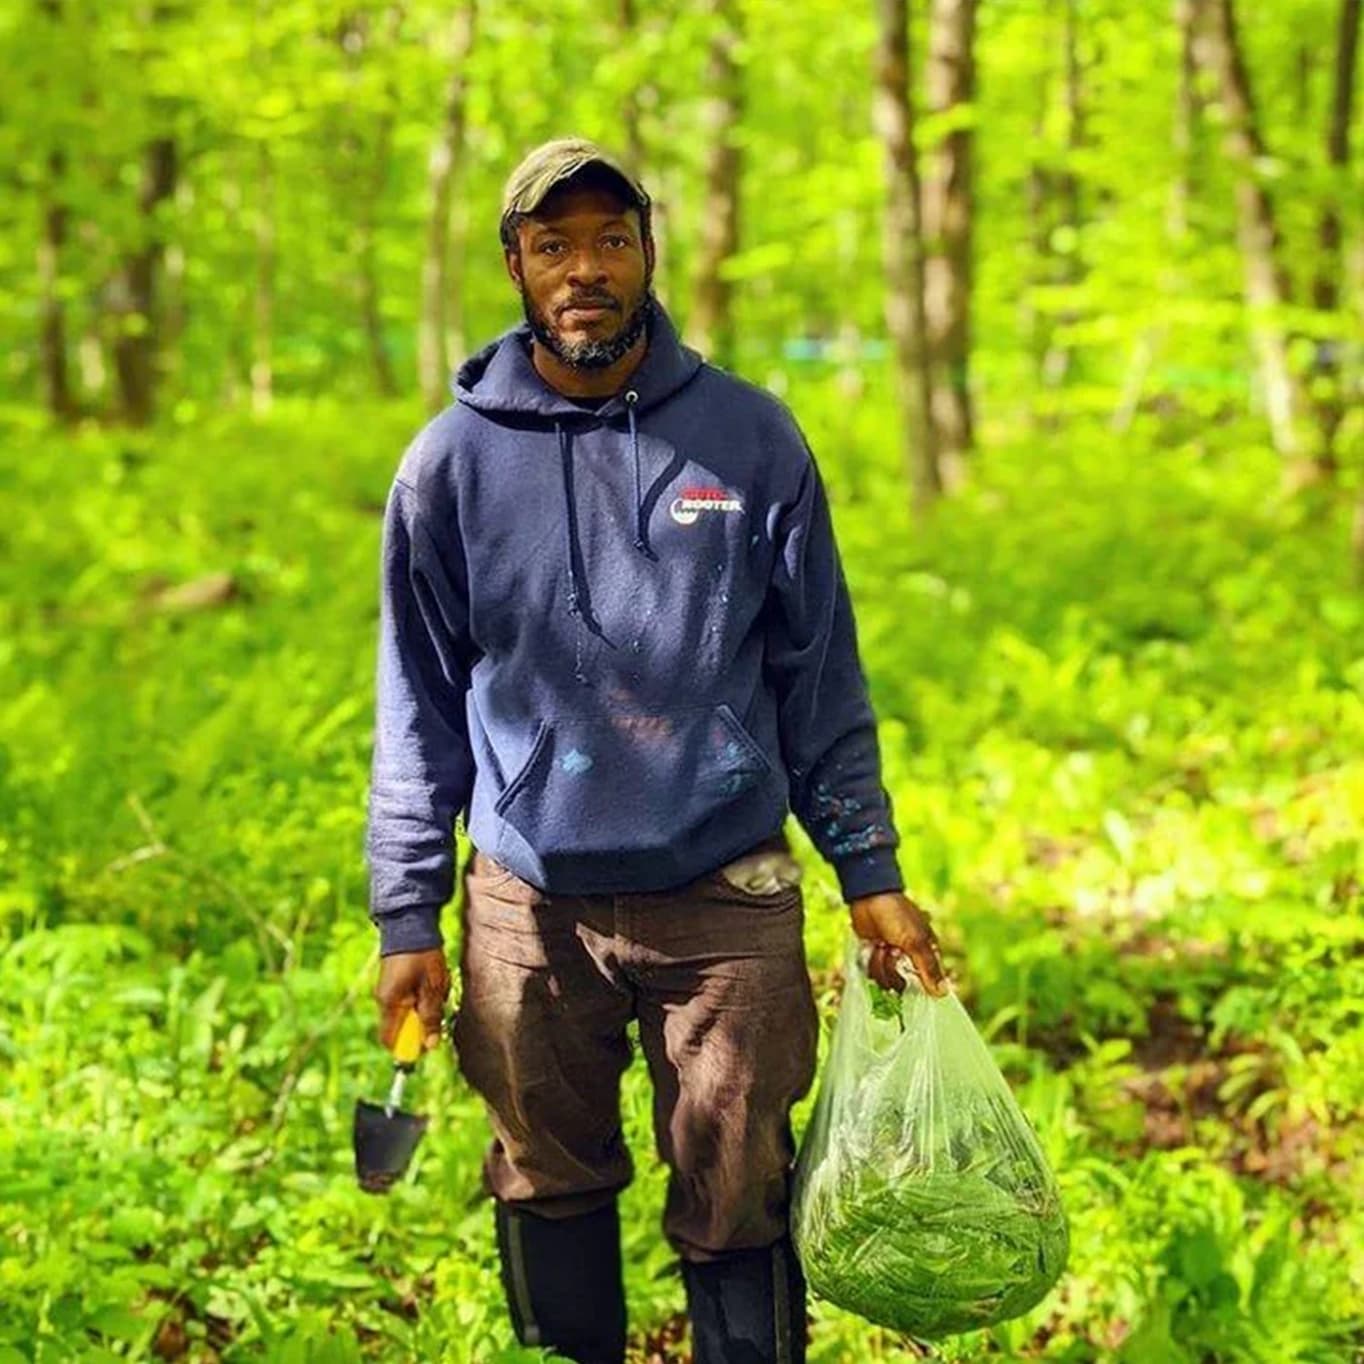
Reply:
x=716 y=976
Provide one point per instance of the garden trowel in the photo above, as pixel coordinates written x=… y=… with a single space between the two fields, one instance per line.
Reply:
x=385 y=1136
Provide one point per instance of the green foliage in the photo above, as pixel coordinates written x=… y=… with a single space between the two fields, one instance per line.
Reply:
x=1121 y=725
x=1119 y=684
x=304 y=132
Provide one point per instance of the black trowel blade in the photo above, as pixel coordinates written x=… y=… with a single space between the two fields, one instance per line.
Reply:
x=384 y=1144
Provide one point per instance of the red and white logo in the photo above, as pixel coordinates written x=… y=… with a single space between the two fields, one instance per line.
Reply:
x=693 y=501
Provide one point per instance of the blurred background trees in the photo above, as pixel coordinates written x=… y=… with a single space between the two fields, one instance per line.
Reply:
x=1068 y=296
x=1076 y=206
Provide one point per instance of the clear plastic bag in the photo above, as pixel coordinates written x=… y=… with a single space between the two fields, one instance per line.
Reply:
x=922 y=1200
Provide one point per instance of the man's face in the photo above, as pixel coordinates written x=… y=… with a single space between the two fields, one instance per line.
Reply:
x=584 y=276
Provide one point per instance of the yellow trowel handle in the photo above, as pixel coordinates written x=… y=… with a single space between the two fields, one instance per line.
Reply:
x=407 y=1046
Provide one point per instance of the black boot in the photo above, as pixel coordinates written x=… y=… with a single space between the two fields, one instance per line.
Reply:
x=563 y=1281
x=748 y=1307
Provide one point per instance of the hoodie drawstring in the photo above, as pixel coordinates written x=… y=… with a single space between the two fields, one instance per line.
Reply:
x=641 y=529
x=565 y=461
x=576 y=604
x=575 y=607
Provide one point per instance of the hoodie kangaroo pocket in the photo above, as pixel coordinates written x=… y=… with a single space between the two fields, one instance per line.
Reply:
x=596 y=792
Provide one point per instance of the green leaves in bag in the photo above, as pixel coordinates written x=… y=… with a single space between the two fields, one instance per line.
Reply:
x=922 y=1200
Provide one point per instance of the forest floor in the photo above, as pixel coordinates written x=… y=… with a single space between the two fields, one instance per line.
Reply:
x=1121 y=692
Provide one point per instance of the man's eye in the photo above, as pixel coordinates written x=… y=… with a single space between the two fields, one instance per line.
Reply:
x=617 y=240
x=550 y=248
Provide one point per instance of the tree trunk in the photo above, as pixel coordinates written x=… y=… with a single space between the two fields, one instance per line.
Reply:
x=1184 y=127
x=52 y=348
x=367 y=232
x=1266 y=284
x=670 y=281
x=902 y=247
x=1185 y=121
x=1056 y=362
x=365 y=173
x=367 y=265
x=440 y=291
x=948 y=211
x=712 y=322
x=263 y=309
x=57 y=392
x=630 y=109
x=133 y=289
x=1171 y=278
x=174 y=309
x=636 y=147
x=1330 y=262
x=1038 y=197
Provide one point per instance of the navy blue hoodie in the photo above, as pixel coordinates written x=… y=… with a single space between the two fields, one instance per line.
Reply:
x=618 y=641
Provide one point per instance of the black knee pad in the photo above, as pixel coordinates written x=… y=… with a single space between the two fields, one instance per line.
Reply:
x=747 y=1307
x=563 y=1280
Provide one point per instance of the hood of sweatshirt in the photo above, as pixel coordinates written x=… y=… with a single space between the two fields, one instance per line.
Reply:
x=501 y=378
x=501 y=381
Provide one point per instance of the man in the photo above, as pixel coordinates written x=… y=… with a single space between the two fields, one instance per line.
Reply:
x=616 y=636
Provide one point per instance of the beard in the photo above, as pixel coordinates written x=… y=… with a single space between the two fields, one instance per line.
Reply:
x=590 y=354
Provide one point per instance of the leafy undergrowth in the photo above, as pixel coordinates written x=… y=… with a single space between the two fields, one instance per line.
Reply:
x=1122 y=720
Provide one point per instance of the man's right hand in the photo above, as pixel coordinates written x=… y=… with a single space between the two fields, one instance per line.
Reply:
x=412 y=980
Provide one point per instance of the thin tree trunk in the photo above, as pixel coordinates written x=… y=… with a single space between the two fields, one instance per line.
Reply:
x=92 y=354
x=52 y=328
x=1056 y=363
x=1305 y=65
x=1330 y=262
x=1183 y=138
x=366 y=251
x=174 y=311
x=712 y=321
x=1185 y=121
x=948 y=212
x=630 y=114
x=440 y=302
x=365 y=174
x=263 y=309
x=1038 y=199
x=636 y=147
x=133 y=290
x=902 y=246
x=1266 y=283
x=367 y=265
x=1354 y=266
x=670 y=280
x=56 y=372
x=237 y=341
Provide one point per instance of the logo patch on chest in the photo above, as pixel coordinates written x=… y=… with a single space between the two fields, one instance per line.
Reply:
x=693 y=501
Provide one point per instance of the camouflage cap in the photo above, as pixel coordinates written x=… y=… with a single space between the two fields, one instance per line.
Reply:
x=553 y=162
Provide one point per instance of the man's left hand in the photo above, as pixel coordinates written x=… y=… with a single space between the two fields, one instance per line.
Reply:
x=894 y=924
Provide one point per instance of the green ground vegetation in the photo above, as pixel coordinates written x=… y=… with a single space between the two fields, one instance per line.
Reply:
x=1119 y=686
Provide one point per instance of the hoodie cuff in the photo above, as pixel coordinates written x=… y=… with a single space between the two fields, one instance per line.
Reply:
x=869 y=873
x=413 y=929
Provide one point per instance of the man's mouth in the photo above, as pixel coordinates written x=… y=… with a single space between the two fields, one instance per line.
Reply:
x=587 y=311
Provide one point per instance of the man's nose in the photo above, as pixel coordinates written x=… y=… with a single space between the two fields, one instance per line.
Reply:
x=586 y=267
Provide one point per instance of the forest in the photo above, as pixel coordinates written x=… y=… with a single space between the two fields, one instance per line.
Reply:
x=1067 y=297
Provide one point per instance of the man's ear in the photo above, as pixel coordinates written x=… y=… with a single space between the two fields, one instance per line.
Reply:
x=513 y=263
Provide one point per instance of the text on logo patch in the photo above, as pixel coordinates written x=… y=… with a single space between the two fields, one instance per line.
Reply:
x=693 y=501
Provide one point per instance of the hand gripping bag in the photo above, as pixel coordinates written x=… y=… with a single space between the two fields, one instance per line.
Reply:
x=922 y=1200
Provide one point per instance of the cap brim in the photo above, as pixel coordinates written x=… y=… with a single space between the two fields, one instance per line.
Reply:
x=530 y=200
